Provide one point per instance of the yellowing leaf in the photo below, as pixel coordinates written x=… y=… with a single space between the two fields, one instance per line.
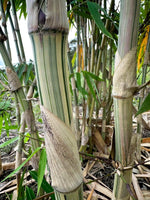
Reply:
x=143 y=48
x=81 y=61
x=5 y=4
x=70 y=17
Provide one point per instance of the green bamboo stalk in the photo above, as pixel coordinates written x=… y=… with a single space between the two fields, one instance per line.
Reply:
x=5 y=27
x=18 y=116
x=125 y=75
x=20 y=50
x=110 y=99
x=53 y=83
x=85 y=57
x=104 y=92
x=15 y=37
x=49 y=39
x=86 y=133
x=23 y=57
x=103 y=40
x=74 y=89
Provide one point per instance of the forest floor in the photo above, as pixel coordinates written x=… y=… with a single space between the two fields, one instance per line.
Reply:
x=98 y=166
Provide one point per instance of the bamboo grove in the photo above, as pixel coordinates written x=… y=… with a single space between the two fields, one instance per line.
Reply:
x=89 y=90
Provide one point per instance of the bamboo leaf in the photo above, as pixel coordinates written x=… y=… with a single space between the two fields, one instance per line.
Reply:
x=81 y=60
x=29 y=68
x=21 y=188
x=95 y=88
x=5 y=4
x=1 y=124
x=143 y=48
x=4 y=105
x=9 y=142
x=21 y=70
x=41 y=170
x=45 y=185
x=93 y=8
x=6 y=124
x=74 y=59
x=27 y=137
x=93 y=76
x=29 y=193
x=18 y=168
x=145 y=106
x=89 y=83
x=79 y=87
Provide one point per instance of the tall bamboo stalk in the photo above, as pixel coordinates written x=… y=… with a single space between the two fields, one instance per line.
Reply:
x=48 y=28
x=125 y=75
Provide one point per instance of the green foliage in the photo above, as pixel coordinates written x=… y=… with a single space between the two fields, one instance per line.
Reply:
x=21 y=194
x=41 y=170
x=45 y=185
x=94 y=10
x=26 y=193
x=73 y=61
x=78 y=77
x=30 y=68
x=5 y=122
x=27 y=137
x=9 y=142
x=18 y=168
x=4 y=116
x=26 y=70
x=4 y=105
x=91 y=80
x=21 y=6
x=29 y=193
x=145 y=106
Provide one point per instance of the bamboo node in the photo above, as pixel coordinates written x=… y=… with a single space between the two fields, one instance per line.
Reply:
x=3 y=37
x=120 y=97
x=119 y=167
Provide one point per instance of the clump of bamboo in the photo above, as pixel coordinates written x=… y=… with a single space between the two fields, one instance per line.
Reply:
x=27 y=114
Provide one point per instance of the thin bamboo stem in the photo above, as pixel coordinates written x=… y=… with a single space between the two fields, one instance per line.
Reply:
x=18 y=30
x=5 y=27
x=15 y=37
x=74 y=89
